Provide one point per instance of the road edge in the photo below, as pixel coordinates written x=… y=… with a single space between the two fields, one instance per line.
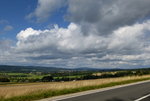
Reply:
x=62 y=97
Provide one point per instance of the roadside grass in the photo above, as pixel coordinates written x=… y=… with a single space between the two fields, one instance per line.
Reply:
x=45 y=93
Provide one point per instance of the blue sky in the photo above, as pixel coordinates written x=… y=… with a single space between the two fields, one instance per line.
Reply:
x=75 y=33
x=15 y=12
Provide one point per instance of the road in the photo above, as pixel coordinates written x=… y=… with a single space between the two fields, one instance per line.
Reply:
x=131 y=92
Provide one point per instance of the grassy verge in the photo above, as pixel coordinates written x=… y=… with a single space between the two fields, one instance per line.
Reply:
x=50 y=93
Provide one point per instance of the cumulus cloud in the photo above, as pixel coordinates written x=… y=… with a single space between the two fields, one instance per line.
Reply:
x=65 y=40
x=100 y=15
x=106 y=16
x=45 y=8
x=130 y=37
x=101 y=33
x=70 y=47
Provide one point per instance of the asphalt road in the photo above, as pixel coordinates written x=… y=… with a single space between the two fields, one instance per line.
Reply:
x=146 y=99
x=137 y=92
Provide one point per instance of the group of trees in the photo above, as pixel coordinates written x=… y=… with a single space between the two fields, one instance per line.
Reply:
x=103 y=75
x=117 y=74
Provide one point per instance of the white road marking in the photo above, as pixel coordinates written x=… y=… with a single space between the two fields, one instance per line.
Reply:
x=139 y=99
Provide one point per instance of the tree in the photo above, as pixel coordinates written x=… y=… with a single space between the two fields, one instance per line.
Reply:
x=47 y=78
x=4 y=79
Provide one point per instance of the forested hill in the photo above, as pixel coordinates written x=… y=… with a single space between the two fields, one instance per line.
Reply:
x=7 y=68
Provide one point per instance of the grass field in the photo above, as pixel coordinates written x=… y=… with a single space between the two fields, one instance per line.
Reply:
x=30 y=91
x=23 y=75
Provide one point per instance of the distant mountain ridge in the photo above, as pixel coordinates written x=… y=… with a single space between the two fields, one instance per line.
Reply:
x=7 y=68
x=12 y=68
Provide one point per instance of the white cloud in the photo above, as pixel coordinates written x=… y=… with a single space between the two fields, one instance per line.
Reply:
x=24 y=34
x=61 y=39
x=113 y=33
x=99 y=15
x=8 y=28
x=70 y=47
x=105 y=16
x=45 y=8
x=5 y=26
x=129 y=36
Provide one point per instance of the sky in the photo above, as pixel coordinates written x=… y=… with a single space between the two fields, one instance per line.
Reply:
x=75 y=33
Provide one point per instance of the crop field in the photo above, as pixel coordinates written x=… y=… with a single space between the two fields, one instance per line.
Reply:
x=13 y=90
